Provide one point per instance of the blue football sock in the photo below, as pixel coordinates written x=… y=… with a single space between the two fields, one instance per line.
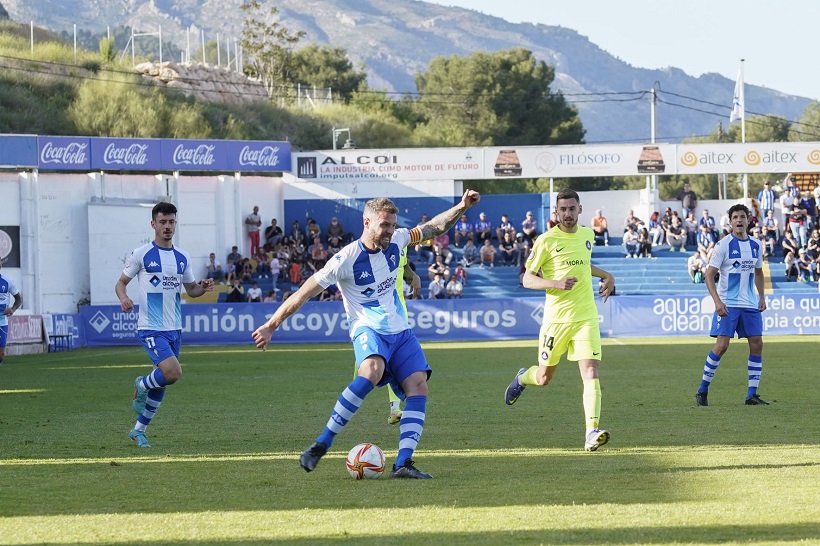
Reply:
x=154 y=380
x=709 y=369
x=152 y=403
x=346 y=406
x=755 y=369
x=410 y=427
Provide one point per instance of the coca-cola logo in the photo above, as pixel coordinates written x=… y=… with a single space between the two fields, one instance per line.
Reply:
x=135 y=154
x=72 y=153
x=202 y=155
x=263 y=157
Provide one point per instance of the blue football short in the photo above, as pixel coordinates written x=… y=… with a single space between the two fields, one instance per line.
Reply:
x=401 y=352
x=746 y=322
x=161 y=345
x=4 y=332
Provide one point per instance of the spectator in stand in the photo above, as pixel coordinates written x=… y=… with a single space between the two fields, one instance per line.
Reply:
x=688 y=199
x=805 y=267
x=529 y=227
x=691 y=227
x=766 y=199
x=630 y=242
x=644 y=244
x=656 y=230
x=813 y=246
x=441 y=247
x=463 y=231
x=810 y=206
x=786 y=202
x=695 y=267
x=298 y=250
x=508 y=251
x=706 y=243
x=246 y=273
x=296 y=236
x=708 y=221
x=263 y=269
x=725 y=226
x=236 y=294
x=453 y=289
x=438 y=269
x=504 y=227
x=460 y=274
x=523 y=246
x=675 y=235
x=312 y=230
x=632 y=220
x=769 y=241
x=295 y=273
x=275 y=268
x=319 y=256
x=790 y=264
x=236 y=257
x=273 y=234
x=254 y=293
x=554 y=220
x=425 y=251
x=771 y=223
x=230 y=272
x=335 y=234
x=666 y=219
x=487 y=253
x=599 y=226
x=789 y=243
x=254 y=222
x=214 y=269
x=470 y=255
x=436 y=288
x=270 y=297
x=483 y=228
x=797 y=225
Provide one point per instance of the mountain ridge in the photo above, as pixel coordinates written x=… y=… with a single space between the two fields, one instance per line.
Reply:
x=395 y=39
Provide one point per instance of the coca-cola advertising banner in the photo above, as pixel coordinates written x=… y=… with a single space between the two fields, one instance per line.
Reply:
x=144 y=154
x=64 y=153
x=126 y=154
x=257 y=155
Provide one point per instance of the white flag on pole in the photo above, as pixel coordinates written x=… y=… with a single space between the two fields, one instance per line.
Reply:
x=738 y=100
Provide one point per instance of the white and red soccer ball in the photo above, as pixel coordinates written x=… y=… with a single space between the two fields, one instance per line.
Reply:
x=365 y=461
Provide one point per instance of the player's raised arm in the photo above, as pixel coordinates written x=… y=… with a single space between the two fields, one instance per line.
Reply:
x=310 y=289
x=447 y=219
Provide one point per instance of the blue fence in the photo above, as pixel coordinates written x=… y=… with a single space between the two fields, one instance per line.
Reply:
x=449 y=320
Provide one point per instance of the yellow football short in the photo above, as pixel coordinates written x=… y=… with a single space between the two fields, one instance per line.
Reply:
x=580 y=340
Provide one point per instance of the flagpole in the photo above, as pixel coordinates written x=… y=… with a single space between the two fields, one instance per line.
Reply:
x=742 y=103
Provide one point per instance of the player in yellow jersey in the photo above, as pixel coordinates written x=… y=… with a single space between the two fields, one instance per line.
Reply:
x=561 y=265
x=408 y=275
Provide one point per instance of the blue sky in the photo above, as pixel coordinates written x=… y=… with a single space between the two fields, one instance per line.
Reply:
x=778 y=39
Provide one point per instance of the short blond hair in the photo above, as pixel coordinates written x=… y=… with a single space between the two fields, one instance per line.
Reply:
x=381 y=204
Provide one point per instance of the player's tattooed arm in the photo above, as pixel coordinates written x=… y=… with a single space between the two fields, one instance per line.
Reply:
x=447 y=219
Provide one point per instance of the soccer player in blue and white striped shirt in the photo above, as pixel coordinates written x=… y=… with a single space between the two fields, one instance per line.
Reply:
x=739 y=302
x=385 y=348
x=162 y=271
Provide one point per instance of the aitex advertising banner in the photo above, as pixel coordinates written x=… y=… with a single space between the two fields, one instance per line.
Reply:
x=126 y=154
x=400 y=164
x=64 y=153
x=587 y=160
x=751 y=157
x=258 y=156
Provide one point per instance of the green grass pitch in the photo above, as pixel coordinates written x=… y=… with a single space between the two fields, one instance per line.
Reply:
x=224 y=470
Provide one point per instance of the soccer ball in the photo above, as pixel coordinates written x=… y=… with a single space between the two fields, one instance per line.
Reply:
x=365 y=461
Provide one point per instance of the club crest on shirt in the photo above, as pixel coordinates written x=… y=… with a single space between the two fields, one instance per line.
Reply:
x=589 y=245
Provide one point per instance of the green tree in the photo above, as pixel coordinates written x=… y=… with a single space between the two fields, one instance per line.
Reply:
x=808 y=126
x=324 y=66
x=267 y=46
x=487 y=99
